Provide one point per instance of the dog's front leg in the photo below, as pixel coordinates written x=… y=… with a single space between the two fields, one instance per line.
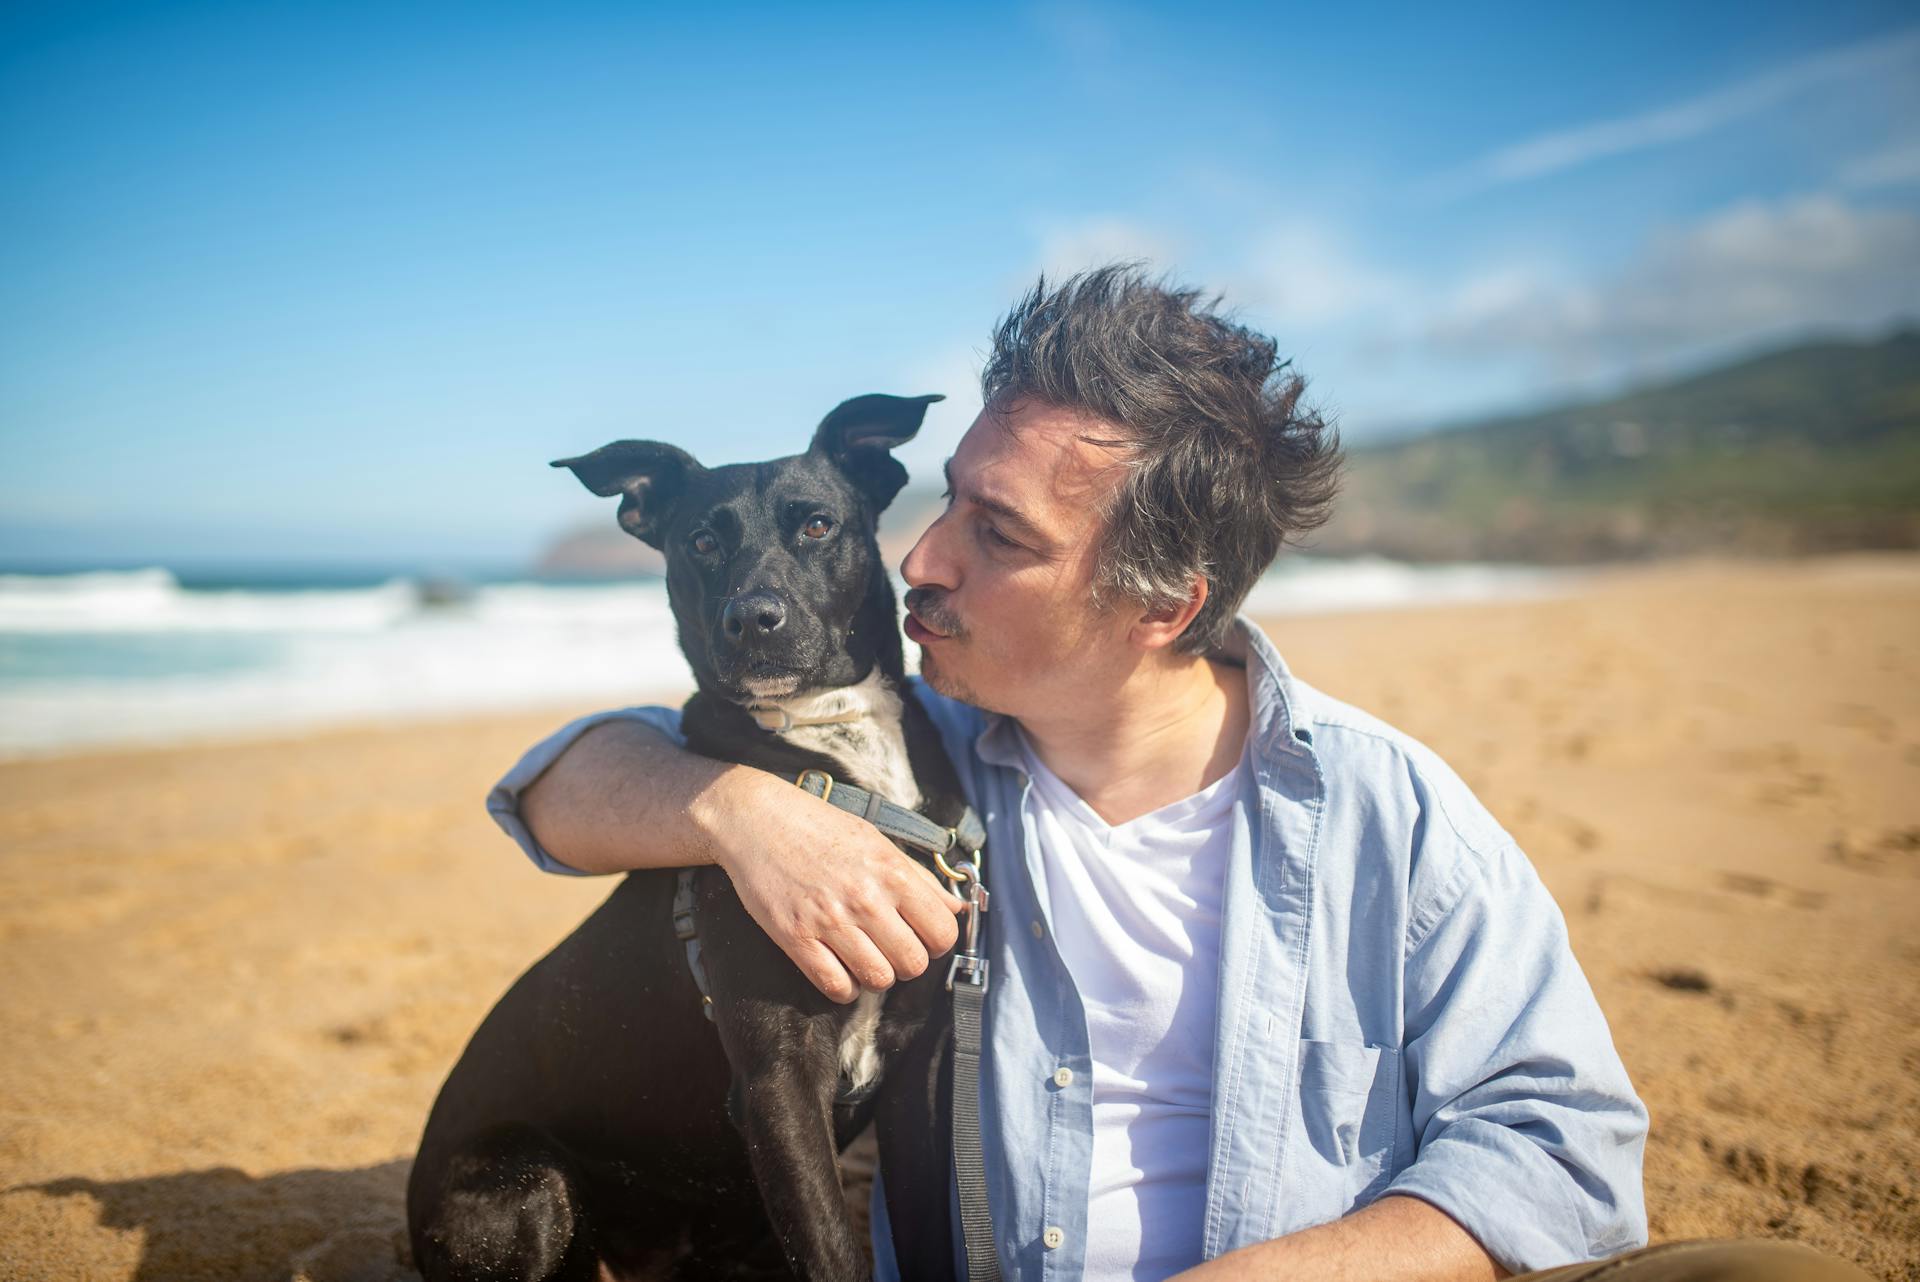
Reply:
x=786 y=1083
x=916 y=1150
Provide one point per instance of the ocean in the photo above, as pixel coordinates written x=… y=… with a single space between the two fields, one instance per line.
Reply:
x=156 y=655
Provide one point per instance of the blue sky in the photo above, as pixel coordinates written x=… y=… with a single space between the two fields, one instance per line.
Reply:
x=335 y=281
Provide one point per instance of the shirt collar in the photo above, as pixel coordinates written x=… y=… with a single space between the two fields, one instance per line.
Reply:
x=1280 y=721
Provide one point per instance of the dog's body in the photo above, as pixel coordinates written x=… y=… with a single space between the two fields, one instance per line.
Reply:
x=598 y=1123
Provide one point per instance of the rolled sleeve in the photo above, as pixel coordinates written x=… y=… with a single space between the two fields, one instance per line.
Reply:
x=503 y=802
x=1529 y=1133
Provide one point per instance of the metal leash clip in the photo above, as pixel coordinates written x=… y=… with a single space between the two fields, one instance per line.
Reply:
x=968 y=965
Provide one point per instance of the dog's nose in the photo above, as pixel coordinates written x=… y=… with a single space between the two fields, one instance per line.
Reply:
x=753 y=614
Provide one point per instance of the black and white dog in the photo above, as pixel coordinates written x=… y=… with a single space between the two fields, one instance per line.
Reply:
x=596 y=1125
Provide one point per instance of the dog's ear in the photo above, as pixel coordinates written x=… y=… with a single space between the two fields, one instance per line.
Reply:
x=648 y=476
x=857 y=434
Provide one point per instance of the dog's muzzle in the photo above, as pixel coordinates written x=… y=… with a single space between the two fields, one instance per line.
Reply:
x=752 y=618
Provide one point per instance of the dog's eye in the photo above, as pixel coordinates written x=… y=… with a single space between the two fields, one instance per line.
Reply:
x=817 y=526
x=703 y=542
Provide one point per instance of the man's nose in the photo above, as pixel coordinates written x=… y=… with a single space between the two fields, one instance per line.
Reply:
x=753 y=615
x=926 y=563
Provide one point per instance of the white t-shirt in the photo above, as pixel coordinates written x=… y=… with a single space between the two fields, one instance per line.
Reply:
x=1135 y=914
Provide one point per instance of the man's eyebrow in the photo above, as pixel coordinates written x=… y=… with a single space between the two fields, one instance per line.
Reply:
x=1022 y=526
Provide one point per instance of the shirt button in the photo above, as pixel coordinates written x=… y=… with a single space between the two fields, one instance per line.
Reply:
x=1053 y=1237
x=1063 y=1076
x=1039 y=932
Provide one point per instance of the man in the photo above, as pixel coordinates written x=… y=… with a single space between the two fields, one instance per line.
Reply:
x=1273 y=994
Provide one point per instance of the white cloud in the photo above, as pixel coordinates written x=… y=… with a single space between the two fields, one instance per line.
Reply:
x=1895 y=167
x=1080 y=32
x=1568 y=148
x=1385 y=344
x=1066 y=248
x=1756 y=271
x=1302 y=273
x=953 y=371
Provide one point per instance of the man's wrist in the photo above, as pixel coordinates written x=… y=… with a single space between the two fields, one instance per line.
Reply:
x=718 y=810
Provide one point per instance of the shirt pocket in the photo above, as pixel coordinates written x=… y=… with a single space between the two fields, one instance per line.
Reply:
x=1346 y=1128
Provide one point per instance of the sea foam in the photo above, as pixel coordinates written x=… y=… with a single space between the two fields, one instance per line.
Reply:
x=126 y=657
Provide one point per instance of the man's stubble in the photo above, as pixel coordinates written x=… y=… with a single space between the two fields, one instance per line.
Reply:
x=932 y=672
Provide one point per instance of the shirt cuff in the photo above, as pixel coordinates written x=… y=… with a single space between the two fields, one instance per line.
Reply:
x=1475 y=1171
x=503 y=802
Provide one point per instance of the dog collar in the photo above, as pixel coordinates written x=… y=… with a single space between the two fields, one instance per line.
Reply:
x=777 y=718
x=896 y=821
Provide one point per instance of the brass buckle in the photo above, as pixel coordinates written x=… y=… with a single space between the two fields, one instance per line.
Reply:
x=950 y=873
x=826 y=781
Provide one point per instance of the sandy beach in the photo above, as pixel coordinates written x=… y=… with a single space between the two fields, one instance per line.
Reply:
x=235 y=975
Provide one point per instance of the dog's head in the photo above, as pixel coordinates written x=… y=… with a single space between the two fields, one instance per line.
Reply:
x=773 y=569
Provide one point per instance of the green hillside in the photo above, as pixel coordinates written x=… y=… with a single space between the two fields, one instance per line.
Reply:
x=1814 y=448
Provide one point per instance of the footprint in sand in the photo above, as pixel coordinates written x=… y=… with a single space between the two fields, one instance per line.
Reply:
x=1765 y=888
x=408 y=1038
x=1682 y=979
x=1872 y=721
x=1798 y=786
x=1829 y=1186
x=1894 y=852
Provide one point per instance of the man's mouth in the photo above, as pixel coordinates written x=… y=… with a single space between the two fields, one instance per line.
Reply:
x=919 y=632
x=928 y=618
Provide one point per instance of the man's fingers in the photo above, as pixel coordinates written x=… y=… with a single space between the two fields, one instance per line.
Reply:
x=931 y=918
x=940 y=897
x=823 y=969
x=901 y=947
x=948 y=899
x=869 y=968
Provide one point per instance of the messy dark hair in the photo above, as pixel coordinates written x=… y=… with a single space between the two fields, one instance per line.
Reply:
x=1224 y=464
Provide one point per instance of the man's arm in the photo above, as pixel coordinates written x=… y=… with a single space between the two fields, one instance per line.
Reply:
x=1397 y=1239
x=841 y=900
x=1528 y=1131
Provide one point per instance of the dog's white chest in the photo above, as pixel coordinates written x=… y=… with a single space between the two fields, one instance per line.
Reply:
x=872 y=750
x=859 y=1057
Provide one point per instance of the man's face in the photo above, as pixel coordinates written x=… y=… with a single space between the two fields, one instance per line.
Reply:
x=1002 y=582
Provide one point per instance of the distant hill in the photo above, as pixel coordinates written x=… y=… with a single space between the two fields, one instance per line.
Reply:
x=599 y=550
x=1813 y=448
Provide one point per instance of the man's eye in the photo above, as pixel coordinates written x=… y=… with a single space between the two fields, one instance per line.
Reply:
x=704 y=542
x=817 y=526
x=994 y=536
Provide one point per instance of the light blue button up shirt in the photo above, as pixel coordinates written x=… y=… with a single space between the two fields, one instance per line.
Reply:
x=1398 y=1008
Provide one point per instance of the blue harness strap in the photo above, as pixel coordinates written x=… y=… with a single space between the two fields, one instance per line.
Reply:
x=908 y=827
x=686 y=928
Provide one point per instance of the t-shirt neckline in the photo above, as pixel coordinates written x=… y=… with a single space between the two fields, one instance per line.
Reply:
x=1195 y=810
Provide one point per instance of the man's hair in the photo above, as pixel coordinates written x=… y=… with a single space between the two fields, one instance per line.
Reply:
x=1224 y=465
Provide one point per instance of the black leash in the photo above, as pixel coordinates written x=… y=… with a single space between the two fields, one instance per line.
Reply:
x=967 y=981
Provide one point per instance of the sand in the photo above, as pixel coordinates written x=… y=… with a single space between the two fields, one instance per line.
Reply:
x=234 y=976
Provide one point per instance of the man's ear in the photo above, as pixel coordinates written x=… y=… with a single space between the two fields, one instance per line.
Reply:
x=1160 y=628
x=857 y=434
x=650 y=478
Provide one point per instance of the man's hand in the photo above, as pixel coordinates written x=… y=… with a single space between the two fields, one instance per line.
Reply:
x=842 y=901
